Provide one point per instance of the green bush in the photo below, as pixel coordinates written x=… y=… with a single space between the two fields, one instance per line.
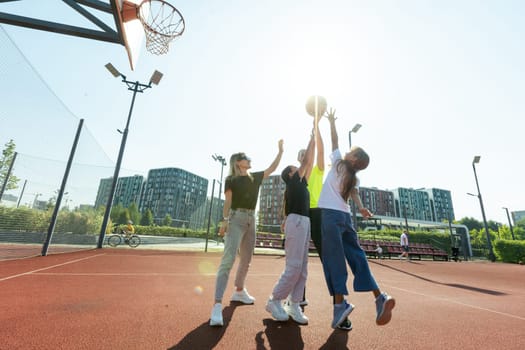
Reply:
x=169 y=231
x=436 y=239
x=510 y=251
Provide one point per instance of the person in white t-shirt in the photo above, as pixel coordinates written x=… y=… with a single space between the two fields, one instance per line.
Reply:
x=379 y=251
x=404 y=245
x=339 y=237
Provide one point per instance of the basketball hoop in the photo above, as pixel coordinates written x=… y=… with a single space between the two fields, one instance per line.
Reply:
x=162 y=23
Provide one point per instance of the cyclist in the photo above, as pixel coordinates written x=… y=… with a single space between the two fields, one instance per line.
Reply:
x=129 y=229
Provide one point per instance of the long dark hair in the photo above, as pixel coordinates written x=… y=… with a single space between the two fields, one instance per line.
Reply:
x=347 y=170
x=348 y=178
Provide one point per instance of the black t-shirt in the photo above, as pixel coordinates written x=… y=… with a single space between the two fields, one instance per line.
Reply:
x=297 y=197
x=245 y=190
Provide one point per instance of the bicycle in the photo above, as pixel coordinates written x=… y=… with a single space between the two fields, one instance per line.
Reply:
x=116 y=238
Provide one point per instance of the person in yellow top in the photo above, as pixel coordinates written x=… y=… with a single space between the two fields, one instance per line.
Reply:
x=129 y=229
x=315 y=185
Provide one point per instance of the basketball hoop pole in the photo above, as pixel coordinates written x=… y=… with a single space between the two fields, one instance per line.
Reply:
x=135 y=87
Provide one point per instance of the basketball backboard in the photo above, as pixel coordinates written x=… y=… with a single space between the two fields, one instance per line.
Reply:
x=126 y=28
x=129 y=27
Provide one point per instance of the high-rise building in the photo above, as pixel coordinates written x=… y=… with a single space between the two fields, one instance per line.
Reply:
x=379 y=202
x=518 y=216
x=412 y=204
x=174 y=192
x=271 y=196
x=440 y=205
x=127 y=191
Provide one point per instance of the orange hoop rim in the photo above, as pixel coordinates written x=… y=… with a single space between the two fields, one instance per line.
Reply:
x=153 y=31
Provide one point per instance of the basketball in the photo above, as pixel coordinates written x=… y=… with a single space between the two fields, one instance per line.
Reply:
x=321 y=106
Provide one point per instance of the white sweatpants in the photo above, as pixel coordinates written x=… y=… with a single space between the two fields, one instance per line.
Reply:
x=293 y=278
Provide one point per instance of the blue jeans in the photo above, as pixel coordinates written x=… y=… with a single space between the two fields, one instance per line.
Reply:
x=340 y=242
x=240 y=238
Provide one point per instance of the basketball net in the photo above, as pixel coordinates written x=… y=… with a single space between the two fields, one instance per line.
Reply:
x=162 y=23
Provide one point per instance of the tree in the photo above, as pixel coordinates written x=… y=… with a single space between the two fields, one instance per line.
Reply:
x=493 y=225
x=167 y=220
x=116 y=213
x=5 y=163
x=147 y=218
x=471 y=223
x=134 y=213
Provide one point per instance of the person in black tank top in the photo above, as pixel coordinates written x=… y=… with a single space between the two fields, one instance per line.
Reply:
x=297 y=242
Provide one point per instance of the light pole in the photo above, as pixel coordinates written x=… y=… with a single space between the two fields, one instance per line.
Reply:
x=354 y=207
x=21 y=194
x=220 y=159
x=510 y=223
x=354 y=130
x=135 y=87
x=209 y=217
x=406 y=218
x=492 y=257
x=36 y=198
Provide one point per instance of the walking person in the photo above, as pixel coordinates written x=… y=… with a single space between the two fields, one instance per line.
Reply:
x=241 y=191
x=292 y=281
x=339 y=238
x=404 y=245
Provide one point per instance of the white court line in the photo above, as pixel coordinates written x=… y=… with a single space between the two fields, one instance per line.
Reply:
x=49 y=267
x=125 y=274
x=460 y=303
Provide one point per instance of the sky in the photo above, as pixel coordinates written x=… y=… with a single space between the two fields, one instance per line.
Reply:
x=433 y=84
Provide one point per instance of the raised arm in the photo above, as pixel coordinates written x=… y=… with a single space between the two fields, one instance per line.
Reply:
x=320 y=150
x=308 y=160
x=354 y=193
x=275 y=162
x=333 y=131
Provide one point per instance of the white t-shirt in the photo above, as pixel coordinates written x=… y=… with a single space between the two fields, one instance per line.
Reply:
x=404 y=239
x=330 y=197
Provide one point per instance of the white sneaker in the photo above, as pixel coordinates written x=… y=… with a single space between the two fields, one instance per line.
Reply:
x=216 y=315
x=243 y=297
x=295 y=312
x=275 y=307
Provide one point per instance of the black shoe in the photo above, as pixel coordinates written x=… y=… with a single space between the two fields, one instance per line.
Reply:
x=346 y=325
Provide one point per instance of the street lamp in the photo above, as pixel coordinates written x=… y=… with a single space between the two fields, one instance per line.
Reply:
x=354 y=207
x=492 y=257
x=36 y=198
x=135 y=87
x=510 y=223
x=220 y=159
x=354 y=130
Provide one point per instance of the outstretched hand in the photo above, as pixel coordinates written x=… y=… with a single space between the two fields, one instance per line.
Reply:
x=366 y=213
x=280 y=145
x=331 y=115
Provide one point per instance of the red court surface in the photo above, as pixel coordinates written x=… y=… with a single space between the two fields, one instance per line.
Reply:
x=151 y=299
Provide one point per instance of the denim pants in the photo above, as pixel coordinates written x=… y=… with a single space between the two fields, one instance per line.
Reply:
x=293 y=278
x=340 y=242
x=240 y=238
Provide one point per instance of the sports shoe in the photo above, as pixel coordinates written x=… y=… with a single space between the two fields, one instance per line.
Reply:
x=243 y=297
x=216 y=315
x=384 y=305
x=346 y=325
x=341 y=312
x=275 y=307
x=295 y=312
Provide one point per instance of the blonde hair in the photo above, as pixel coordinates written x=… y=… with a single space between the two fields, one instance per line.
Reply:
x=234 y=167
